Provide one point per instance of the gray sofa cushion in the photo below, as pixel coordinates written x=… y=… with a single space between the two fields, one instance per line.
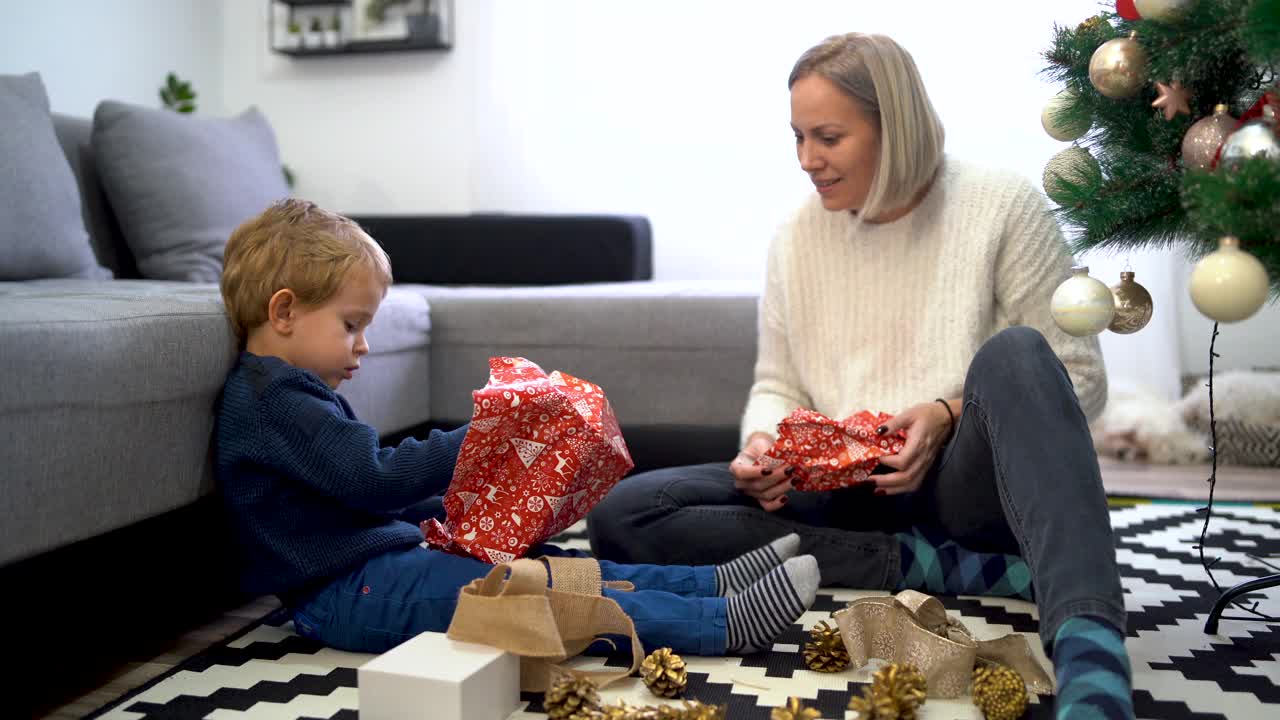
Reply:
x=42 y=234
x=179 y=184
x=666 y=353
x=107 y=414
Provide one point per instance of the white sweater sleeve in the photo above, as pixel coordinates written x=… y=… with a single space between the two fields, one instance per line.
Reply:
x=1033 y=260
x=776 y=390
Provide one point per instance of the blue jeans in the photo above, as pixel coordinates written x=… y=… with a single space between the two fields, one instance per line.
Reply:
x=1018 y=476
x=399 y=594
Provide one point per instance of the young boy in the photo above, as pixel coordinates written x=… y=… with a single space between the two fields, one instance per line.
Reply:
x=323 y=515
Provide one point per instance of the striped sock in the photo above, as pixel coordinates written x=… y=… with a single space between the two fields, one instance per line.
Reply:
x=942 y=567
x=761 y=612
x=738 y=574
x=1092 y=668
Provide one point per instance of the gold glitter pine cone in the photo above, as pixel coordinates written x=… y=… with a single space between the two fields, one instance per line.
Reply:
x=794 y=710
x=664 y=674
x=895 y=693
x=825 y=651
x=999 y=692
x=688 y=710
x=571 y=698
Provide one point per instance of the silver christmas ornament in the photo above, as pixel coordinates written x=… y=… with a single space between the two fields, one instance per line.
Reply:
x=1256 y=139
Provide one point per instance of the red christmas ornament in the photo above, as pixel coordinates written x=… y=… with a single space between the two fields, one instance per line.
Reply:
x=1127 y=10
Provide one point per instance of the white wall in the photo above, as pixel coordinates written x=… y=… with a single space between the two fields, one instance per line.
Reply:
x=90 y=50
x=363 y=133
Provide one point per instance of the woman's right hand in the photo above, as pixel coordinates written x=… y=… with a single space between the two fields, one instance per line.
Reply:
x=766 y=482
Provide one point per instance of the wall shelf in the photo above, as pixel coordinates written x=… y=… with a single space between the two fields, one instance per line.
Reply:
x=436 y=28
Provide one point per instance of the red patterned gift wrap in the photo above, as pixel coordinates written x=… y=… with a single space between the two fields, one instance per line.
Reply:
x=540 y=452
x=829 y=454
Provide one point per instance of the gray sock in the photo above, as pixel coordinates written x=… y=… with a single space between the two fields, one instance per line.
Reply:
x=738 y=574
x=775 y=602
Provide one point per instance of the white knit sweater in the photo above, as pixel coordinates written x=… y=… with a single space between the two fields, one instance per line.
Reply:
x=883 y=316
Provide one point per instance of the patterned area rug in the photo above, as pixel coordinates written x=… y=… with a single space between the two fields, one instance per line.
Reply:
x=1179 y=672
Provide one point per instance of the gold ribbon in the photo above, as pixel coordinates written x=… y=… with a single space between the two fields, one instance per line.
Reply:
x=912 y=627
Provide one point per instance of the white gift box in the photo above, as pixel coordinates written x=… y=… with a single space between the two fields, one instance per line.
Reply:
x=434 y=677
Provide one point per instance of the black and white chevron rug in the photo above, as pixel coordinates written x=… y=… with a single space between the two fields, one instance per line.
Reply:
x=267 y=671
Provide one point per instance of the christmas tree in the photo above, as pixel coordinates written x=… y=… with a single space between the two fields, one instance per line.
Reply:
x=1158 y=161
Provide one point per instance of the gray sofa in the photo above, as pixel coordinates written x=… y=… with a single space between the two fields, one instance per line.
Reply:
x=108 y=386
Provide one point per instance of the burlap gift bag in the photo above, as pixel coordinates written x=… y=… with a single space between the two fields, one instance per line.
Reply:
x=512 y=609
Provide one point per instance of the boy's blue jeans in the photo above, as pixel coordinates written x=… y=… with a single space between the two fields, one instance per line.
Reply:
x=402 y=593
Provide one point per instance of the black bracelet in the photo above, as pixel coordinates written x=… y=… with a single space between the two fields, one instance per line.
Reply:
x=951 y=416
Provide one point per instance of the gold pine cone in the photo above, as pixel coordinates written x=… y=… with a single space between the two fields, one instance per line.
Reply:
x=999 y=692
x=825 y=651
x=689 y=710
x=664 y=674
x=571 y=698
x=895 y=693
x=793 y=710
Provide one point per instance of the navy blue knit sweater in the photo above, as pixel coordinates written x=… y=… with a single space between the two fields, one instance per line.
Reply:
x=309 y=491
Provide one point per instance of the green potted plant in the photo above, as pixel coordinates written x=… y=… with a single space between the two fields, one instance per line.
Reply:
x=333 y=34
x=314 y=36
x=293 y=38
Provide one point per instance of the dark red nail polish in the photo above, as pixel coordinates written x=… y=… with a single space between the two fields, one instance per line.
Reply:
x=765 y=472
x=881 y=493
x=782 y=500
x=882 y=429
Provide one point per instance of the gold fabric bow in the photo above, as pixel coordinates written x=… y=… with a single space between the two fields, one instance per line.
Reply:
x=912 y=627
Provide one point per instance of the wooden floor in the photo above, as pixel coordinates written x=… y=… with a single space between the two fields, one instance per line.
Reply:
x=1183 y=482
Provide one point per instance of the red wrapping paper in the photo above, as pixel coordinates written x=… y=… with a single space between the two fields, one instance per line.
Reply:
x=540 y=452
x=829 y=454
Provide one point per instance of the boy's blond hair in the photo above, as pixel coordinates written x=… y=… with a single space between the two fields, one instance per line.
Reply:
x=293 y=244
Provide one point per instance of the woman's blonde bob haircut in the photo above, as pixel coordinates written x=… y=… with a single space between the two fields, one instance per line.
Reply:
x=879 y=75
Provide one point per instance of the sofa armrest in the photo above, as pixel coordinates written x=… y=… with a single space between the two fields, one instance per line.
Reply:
x=514 y=249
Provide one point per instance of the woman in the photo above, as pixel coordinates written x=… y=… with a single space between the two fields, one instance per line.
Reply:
x=915 y=284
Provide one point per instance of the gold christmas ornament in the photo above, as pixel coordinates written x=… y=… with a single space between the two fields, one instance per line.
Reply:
x=664 y=673
x=1133 y=306
x=896 y=692
x=1228 y=284
x=1065 y=131
x=1075 y=166
x=1165 y=11
x=571 y=698
x=1082 y=305
x=794 y=710
x=999 y=692
x=1204 y=137
x=1256 y=139
x=1118 y=68
x=1174 y=99
x=825 y=651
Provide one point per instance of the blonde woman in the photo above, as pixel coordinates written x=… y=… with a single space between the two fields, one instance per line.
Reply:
x=916 y=284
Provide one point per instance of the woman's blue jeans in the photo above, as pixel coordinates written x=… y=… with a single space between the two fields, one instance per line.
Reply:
x=1018 y=476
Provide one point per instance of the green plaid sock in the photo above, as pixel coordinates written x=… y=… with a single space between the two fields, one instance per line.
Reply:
x=1092 y=668
x=942 y=567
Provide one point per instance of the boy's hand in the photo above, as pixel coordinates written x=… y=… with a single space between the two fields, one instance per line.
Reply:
x=763 y=478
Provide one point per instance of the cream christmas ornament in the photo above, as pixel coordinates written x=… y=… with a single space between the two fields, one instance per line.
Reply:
x=1074 y=165
x=1204 y=137
x=1064 y=131
x=1165 y=11
x=1133 y=306
x=1228 y=284
x=1118 y=68
x=1082 y=305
